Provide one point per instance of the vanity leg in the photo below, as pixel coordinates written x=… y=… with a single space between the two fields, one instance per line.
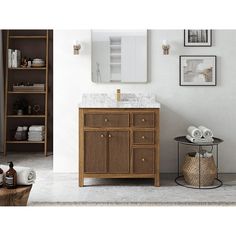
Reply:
x=157 y=181
x=81 y=180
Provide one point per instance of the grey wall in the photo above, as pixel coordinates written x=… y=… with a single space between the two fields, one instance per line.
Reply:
x=180 y=106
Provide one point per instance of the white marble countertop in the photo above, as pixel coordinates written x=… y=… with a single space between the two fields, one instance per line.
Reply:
x=128 y=100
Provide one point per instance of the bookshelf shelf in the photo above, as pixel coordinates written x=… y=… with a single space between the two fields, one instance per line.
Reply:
x=24 y=142
x=26 y=116
x=28 y=37
x=27 y=92
x=28 y=68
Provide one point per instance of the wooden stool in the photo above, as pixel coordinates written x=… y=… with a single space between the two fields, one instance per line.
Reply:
x=15 y=197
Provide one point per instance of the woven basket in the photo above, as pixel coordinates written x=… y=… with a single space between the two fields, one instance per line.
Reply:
x=191 y=170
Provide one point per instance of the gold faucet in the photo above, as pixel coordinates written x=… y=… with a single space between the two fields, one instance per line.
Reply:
x=118 y=95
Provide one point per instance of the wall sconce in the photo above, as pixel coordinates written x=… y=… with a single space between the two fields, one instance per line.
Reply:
x=76 y=47
x=165 y=47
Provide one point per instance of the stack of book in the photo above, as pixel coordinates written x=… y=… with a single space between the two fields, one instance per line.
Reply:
x=14 y=58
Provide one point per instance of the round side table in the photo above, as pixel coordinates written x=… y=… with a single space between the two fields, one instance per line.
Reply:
x=181 y=140
x=15 y=197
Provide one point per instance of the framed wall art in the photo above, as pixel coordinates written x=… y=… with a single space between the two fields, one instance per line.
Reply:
x=197 y=70
x=197 y=38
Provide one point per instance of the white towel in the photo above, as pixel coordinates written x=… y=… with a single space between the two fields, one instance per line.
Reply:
x=194 y=132
x=199 y=140
x=206 y=132
x=35 y=139
x=35 y=135
x=25 y=175
x=36 y=128
x=205 y=155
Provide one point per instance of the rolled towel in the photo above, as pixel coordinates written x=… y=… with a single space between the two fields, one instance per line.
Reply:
x=205 y=155
x=199 y=140
x=194 y=132
x=25 y=175
x=206 y=132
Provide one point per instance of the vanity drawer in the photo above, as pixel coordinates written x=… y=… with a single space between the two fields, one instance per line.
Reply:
x=106 y=120
x=143 y=160
x=144 y=120
x=143 y=137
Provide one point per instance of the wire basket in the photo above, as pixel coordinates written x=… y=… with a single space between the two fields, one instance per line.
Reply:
x=190 y=168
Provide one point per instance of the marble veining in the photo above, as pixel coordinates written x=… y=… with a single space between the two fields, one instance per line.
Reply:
x=128 y=100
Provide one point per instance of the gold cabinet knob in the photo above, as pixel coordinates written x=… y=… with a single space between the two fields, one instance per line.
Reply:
x=143 y=120
x=143 y=137
x=102 y=135
x=143 y=160
x=106 y=120
x=109 y=136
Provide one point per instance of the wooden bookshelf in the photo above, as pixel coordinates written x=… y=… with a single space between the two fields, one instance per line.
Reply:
x=40 y=49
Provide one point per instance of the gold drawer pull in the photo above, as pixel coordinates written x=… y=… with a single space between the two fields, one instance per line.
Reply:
x=102 y=135
x=143 y=120
x=143 y=160
x=109 y=136
x=106 y=120
x=143 y=137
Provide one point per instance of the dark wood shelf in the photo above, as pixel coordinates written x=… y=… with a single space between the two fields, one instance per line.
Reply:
x=23 y=142
x=28 y=68
x=28 y=37
x=25 y=92
x=26 y=116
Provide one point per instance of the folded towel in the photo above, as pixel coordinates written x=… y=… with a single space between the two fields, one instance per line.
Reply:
x=36 y=132
x=35 y=135
x=36 y=128
x=36 y=139
x=206 y=133
x=194 y=132
x=25 y=175
x=199 y=140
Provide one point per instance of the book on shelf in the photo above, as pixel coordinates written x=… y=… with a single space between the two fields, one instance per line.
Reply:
x=10 y=58
x=14 y=58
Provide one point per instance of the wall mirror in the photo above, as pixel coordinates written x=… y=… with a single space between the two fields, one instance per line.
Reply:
x=119 y=56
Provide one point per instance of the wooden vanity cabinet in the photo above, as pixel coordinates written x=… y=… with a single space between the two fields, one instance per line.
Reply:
x=118 y=143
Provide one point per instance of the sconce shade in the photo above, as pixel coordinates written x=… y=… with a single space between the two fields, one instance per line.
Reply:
x=166 y=49
x=76 y=49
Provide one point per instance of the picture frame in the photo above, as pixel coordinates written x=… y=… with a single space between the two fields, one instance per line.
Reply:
x=197 y=38
x=197 y=70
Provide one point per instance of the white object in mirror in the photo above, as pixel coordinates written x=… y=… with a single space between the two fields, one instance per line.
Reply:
x=119 y=56
x=165 y=47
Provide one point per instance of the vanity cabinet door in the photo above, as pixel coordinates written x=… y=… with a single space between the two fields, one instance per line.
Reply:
x=95 y=153
x=118 y=151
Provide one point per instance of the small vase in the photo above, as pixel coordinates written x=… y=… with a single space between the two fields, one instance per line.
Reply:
x=19 y=112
